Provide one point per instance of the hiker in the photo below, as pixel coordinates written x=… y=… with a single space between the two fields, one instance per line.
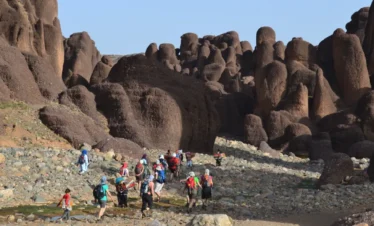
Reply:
x=66 y=205
x=218 y=157
x=124 y=171
x=122 y=192
x=144 y=157
x=160 y=180
x=163 y=162
x=101 y=193
x=139 y=172
x=189 y=156
x=207 y=184
x=192 y=185
x=157 y=164
x=83 y=162
x=181 y=155
x=147 y=193
x=173 y=166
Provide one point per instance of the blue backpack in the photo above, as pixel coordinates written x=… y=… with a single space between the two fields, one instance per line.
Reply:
x=161 y=176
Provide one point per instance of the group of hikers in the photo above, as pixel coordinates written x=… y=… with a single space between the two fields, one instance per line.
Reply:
x=149 y=182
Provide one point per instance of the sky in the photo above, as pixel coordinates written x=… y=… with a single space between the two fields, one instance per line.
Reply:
x=129 y=26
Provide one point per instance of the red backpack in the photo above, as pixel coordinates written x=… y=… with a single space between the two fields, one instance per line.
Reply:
x=190 y=183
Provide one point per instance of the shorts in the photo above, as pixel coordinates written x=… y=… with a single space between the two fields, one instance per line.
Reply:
x=158 y=187
x=102 y=203
x=206 y=193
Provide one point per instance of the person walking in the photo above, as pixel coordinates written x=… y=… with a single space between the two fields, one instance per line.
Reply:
x=139 y=173
x=192 y=186
x=67 y=205
x=102 y=194
x=122 y=193
x=207 y=185
x=147 y=193
x=160 y=180
x=173 y=166
x=189 y=156
x=124 y=171
x=83 y=162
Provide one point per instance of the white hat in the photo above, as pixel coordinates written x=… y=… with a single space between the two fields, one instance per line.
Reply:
x=207 y=171
x=174 y=155
x=192 y=174
x=161 y=156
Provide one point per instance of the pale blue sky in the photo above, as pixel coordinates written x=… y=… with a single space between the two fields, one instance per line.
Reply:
x=128 y=26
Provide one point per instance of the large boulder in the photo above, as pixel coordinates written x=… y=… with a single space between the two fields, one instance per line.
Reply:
x=298 y=102
x=81 y=55
x=276 y=124
x=101 y=70
x=75 y=127
x=154 y=107
x=211 y=220
x=301 y=51
x=362 y=149
x=350 y=66
x=324 y=101
x=344 y=137
x=271 y=84
x=358 y=23
x=33 y=27
x=49 y=82
x=119 y=145
x=254 y=133
x=333 y=121
x=320 y=147
x=368 y=44
x=79 y=96
x=336 y=169
x=365 y=111
x=265 y=34
x=17 y=81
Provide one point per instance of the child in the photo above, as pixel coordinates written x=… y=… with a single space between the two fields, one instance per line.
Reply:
x=66 y=204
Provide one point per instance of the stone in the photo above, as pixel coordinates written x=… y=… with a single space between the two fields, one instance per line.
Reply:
x=154 y=223
x=211 y=220
x=25 y=169
x=11 y=218
x=6 y=193
x=118 y=157
x=2 y=158
x=59 y=168
x=109 y=155
x=30 y=217
x=17 y=164
x=39 y=199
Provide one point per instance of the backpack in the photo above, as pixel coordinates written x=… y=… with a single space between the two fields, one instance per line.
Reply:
x=121 y=189
x=144 y=187
x=173 y=163
x=164 y=163
x=161 y=176
x=138 y=168
x=206 y=181
x=98 y=192
x=81 y=160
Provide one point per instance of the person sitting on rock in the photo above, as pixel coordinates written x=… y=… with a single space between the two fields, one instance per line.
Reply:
x=160 y=180
x=147 y=193
x=139 y=172
x=83 y=162
x=124 y=171
x=173 y=166
x=66 y=205
x=122 y=192
x=207 y=184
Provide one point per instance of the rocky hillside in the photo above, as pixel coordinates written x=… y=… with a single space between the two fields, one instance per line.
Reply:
x=251 y=185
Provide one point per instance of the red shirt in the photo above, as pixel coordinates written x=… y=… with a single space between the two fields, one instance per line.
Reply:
x=67 y=199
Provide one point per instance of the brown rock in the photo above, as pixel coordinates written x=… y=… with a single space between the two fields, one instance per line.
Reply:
x=271 y=83
x=344 y=137
x=368 y=44
x=333 y=121
x=295 y=130
x=189 y=48
x=80 y=97
x=350 y=66
x=156 y=108
x=279 y=51
x=264 y=54
x=151 y=52
x=166 y=53
x=275 y=125
x=16 y=76
x=323 y=101
x=362 y=149
x=33 y=27
x=254 y=133
x=246 y=46
x=74 y=127
x=122 y=147
x=336 y=169
x=301 y=51
x=358 y=23
x=2 y=158
x=265 y=34
x=81 y=55
x=365 y=111
x=101 y=71
x=298 y=73
x=298 y=102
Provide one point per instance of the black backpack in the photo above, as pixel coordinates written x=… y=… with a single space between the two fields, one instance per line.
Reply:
x=98 y=192
x=81 y=160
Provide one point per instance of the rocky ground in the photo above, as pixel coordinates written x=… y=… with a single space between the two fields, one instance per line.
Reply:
x=250 y=185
